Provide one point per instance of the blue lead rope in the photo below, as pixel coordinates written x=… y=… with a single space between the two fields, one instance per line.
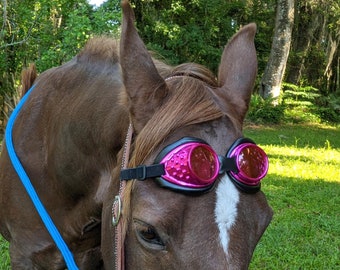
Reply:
x=59 y=241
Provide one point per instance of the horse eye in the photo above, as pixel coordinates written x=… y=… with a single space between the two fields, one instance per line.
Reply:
x=148 y=235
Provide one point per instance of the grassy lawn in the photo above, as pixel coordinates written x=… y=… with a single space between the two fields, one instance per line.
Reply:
x=4 y=256
x=303 y=188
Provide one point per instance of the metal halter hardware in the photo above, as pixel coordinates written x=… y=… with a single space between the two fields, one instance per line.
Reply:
x=116 y=213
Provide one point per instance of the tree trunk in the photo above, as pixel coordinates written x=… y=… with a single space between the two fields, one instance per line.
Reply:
x=272 y=78
x=332 y=47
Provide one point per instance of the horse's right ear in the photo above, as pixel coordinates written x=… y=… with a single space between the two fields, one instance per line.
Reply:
x=237 y=71
x=144 y=86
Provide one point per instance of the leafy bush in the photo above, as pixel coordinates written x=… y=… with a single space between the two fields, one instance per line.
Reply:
x=328 y=108
x=189 y=31
x=295 y=95
x=300 y=102
x=265 y=111
x=297 y=104
x=306 y=104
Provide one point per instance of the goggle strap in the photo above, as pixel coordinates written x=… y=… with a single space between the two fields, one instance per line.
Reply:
x=227 y=164
x=142 y=172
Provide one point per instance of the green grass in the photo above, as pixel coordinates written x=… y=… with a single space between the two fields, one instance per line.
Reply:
x=4 y=256
x=303 y=188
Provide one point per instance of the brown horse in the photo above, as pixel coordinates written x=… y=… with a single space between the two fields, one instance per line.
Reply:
x=68 y=137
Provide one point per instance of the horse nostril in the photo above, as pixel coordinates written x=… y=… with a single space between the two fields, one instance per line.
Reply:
x=148 y=235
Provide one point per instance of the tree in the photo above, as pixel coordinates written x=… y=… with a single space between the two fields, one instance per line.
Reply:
x=189 y=30
x=315 y=48
x=273 y=75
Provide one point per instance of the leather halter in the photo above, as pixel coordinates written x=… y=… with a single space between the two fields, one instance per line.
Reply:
x=119 y=262
x=117 y=207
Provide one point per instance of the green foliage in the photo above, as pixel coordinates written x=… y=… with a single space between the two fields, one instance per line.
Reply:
x=8 y=99
x=294 y=95
x=300 y=103
x=72 y=35
x=194 y=31
x=50 y=32
x=328 y=108
x=315 y=45
x=106 y=19
x=265 y=110
x=306 y=104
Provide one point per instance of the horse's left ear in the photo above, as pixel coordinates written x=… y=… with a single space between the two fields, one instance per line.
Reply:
x=144 y=86
x=238 y=70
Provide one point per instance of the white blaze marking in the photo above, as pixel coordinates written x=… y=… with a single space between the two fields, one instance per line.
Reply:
x=227 y=198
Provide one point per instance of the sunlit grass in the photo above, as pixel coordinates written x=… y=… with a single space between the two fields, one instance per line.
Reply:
x=304 y=163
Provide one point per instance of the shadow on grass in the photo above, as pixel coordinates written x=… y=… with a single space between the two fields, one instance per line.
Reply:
x=299 y=136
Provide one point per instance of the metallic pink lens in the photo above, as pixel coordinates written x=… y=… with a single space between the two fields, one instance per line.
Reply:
x=252 y=163
x=203 y=163
x=191 y=165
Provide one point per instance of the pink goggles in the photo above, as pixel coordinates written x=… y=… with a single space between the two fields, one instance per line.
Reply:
x=191 y=165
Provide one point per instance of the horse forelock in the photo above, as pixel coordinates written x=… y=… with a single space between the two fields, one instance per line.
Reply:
x=189 y=102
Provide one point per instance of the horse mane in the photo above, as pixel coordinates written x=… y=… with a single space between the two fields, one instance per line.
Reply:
x=98 y=50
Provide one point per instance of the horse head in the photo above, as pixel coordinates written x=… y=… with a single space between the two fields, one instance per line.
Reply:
x=174 y=224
